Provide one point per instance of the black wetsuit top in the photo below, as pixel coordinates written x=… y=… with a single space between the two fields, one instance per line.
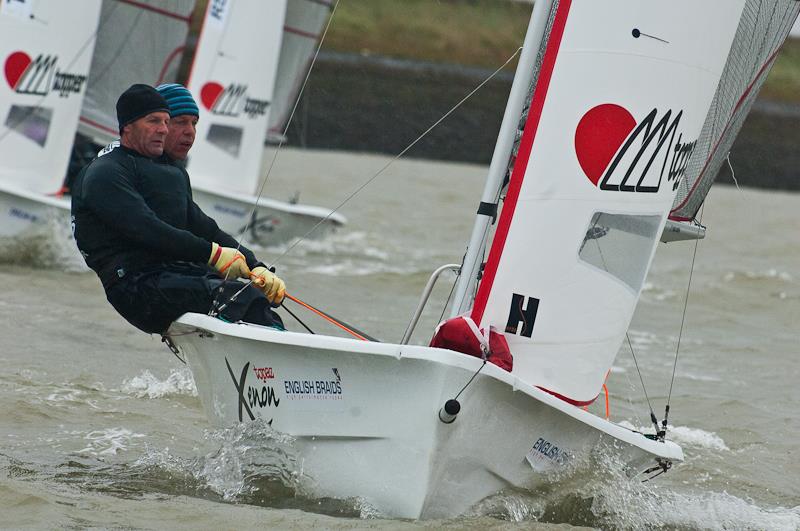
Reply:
x=130 y=212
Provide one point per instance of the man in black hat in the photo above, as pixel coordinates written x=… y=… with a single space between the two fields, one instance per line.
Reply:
x=156 y=253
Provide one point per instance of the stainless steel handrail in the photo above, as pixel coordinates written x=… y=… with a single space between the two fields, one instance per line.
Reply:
x=424 y=299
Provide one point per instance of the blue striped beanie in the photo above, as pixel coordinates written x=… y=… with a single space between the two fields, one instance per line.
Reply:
x=179 y=99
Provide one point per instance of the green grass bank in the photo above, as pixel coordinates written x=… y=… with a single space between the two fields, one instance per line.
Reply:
x=482 y=33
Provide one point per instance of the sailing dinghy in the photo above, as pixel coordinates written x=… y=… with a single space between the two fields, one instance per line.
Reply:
x=46 y=49
x=611 y=99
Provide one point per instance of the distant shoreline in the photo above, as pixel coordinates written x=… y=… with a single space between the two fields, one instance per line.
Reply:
x=379 y=104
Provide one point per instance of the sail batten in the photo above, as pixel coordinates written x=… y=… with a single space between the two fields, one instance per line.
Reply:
x=232 y=79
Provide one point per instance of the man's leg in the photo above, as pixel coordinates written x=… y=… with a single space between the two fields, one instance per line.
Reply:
x=152 y=300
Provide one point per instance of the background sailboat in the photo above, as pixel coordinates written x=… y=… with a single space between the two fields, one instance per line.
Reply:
x=612 y=100
x=234 y=72
x=46 y=49
x=232 y=77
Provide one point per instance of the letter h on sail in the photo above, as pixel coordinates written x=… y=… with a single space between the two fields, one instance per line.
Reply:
x=517 y=314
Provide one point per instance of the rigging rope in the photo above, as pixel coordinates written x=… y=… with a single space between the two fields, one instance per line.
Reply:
x=363 y=185
x=398 y=156
x=683 y=320
x=215 y=308
x=653 y=418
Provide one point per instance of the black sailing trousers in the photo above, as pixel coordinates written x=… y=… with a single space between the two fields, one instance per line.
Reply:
x=152 y=298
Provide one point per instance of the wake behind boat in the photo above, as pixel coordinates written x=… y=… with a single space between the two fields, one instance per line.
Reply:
x=613 y=109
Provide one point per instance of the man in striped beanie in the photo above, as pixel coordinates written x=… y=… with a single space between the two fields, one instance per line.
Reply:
x=184 y=114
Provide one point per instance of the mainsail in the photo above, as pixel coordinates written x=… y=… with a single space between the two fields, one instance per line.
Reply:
x=232 y=79
x=46 y=49
x=762 y=29
x=620 y=98
x=140 y=40
x=302 y=31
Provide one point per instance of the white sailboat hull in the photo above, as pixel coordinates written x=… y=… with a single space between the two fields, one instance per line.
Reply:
x=273 y=222
x=365 y=416
x=37 y=227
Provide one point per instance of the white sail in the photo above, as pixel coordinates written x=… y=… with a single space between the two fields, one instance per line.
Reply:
x=138 y=42
x=305 y=20
x=232 y=80
x=620 y=98
x=46 y=49
x=762 y=30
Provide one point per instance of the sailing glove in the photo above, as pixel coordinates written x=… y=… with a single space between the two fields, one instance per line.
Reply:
x=228 y=261
x=272 y=286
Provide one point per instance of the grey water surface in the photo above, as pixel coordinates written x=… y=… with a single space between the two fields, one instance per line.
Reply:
x=101 y=427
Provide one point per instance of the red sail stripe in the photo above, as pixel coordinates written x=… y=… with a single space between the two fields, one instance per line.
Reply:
x=520 y=165
x=160 y=11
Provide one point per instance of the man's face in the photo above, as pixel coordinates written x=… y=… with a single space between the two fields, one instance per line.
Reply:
x=180 y=138
x=147 y=134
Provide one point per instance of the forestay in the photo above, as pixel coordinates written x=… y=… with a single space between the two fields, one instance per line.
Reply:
x=232 y=79
x=620 y=98
x=305 y=20
x=763 y=27
x=137 y=42
x=46 y=49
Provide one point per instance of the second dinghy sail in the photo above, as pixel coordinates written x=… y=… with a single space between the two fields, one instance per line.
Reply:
x=302 y=32
x=139 y=42
x=611 y=97
x=232 y=79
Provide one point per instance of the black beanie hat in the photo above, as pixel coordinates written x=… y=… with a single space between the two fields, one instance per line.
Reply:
x=139 y=100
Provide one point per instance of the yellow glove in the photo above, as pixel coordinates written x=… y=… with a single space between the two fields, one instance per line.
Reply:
x=269 y=283
x=228 y=261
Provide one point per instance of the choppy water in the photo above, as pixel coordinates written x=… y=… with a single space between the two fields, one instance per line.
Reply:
x=101 y=427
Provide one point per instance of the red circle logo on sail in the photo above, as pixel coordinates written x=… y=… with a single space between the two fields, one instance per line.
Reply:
x=15 y=66
x=210 y=93
x=598 y=137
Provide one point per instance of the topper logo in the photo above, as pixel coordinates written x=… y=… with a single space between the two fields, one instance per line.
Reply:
x=231 y=100
x=618 y=154
x=39 y=76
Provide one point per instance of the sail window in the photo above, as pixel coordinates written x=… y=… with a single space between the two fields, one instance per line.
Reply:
x=30 y=121
x=620 y=244
x=226 y=137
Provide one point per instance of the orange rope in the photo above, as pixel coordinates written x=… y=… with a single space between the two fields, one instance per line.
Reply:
x=608 y=409
x=332 y=321
x=226 y=266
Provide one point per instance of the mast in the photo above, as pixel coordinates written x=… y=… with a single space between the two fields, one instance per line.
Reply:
x=487 y=211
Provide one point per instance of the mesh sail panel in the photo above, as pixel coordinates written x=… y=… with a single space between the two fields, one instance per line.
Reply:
x=762 y=29
x=137 y=42
x=305 y=21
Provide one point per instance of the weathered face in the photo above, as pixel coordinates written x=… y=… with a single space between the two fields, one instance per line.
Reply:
x=147 y=134
x=182 y=130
